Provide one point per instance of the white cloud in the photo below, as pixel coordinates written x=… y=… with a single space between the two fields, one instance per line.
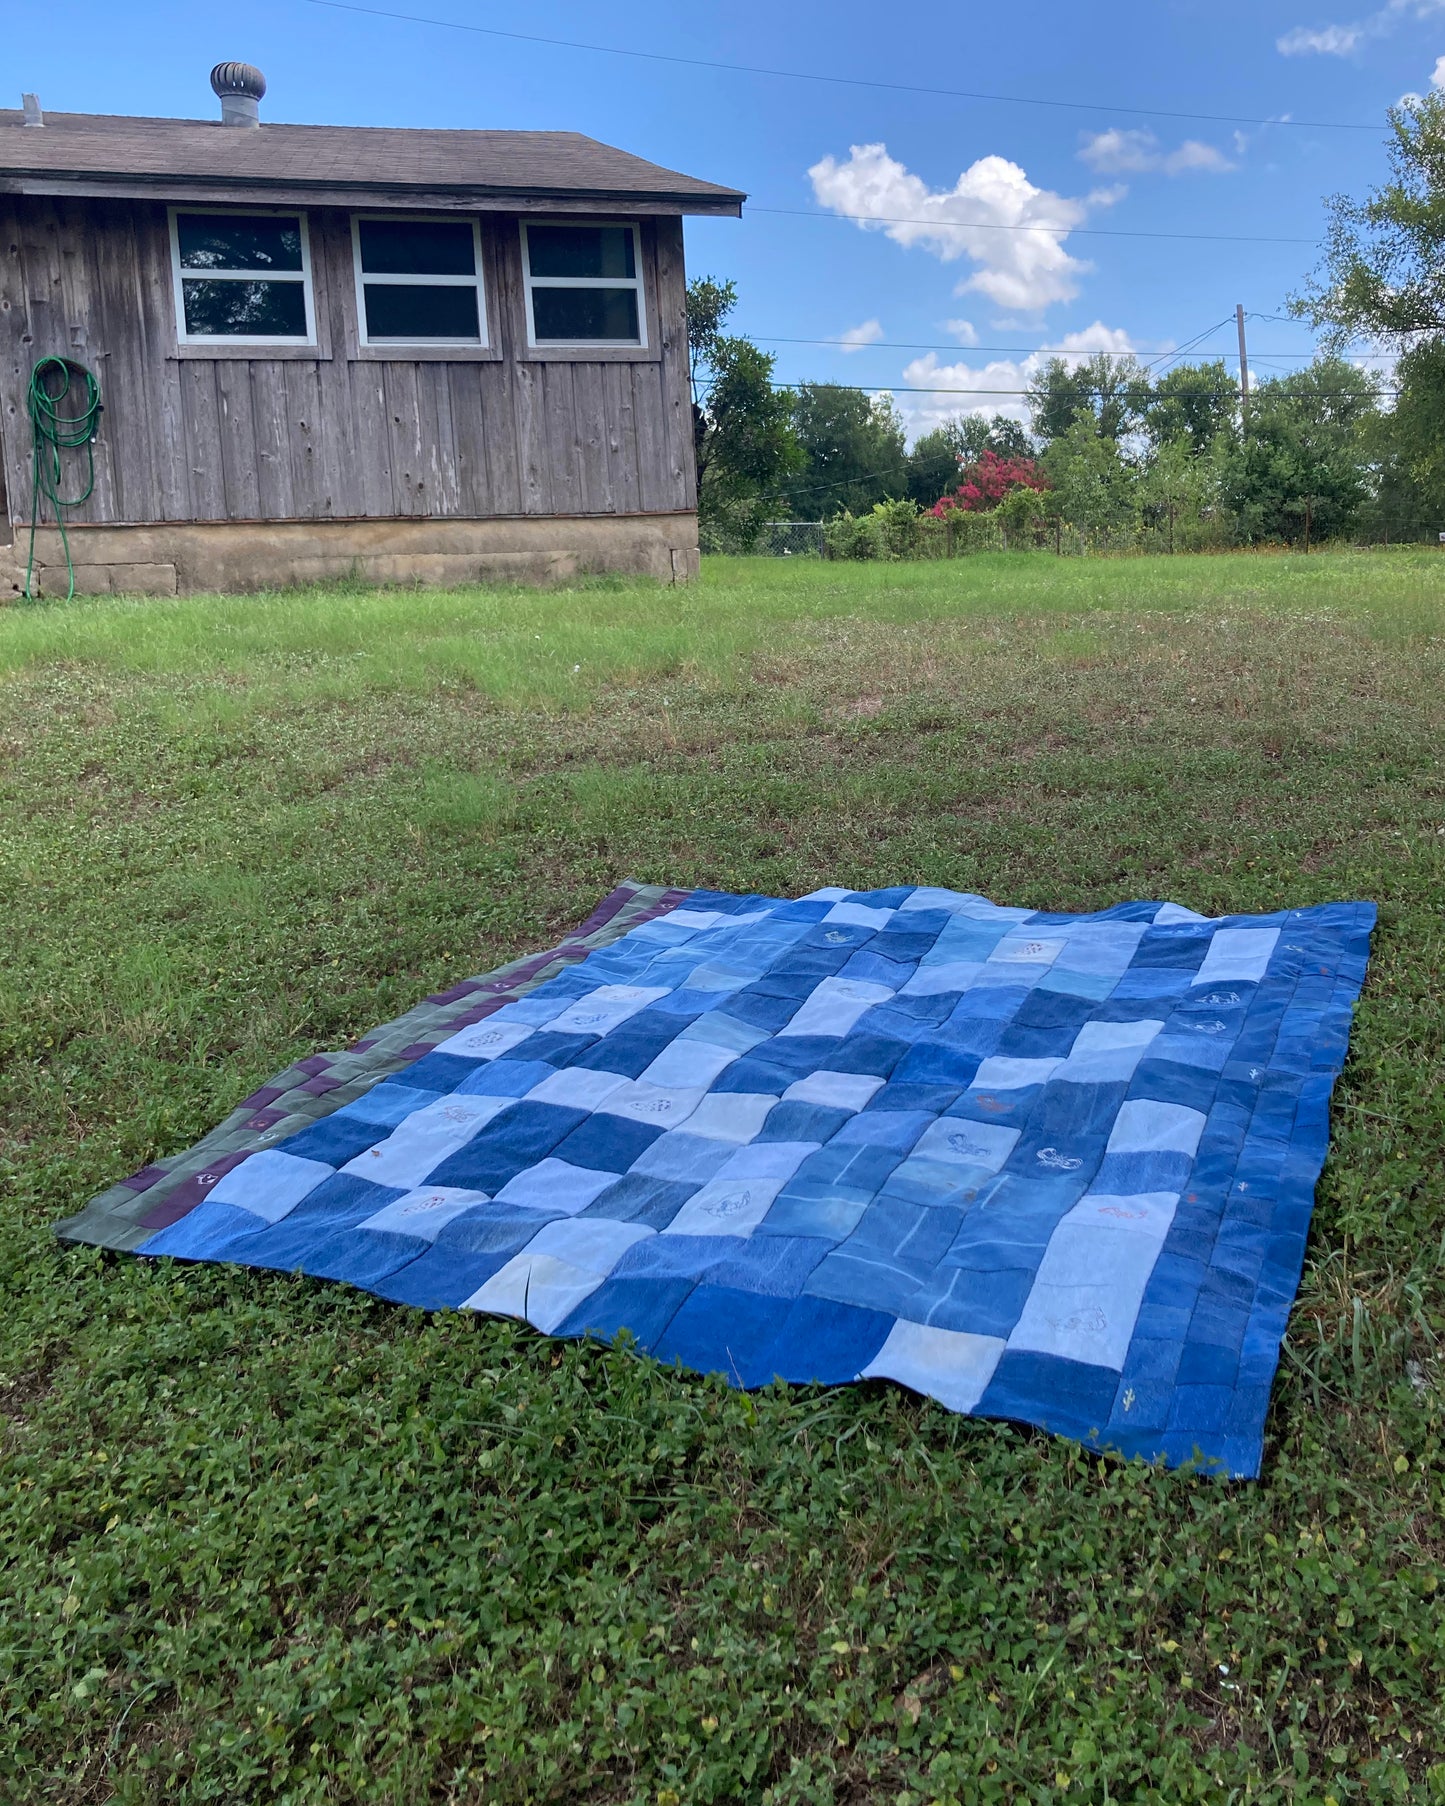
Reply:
x=1027 y=269
x=994 y=387
x=1195 y=155
x=1342 y=40
x=1327 y=40
x=1117 y=152
x=1437 y=74
x=963 y=330
x=856 y=337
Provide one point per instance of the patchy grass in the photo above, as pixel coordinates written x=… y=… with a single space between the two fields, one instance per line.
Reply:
x=265 y=1538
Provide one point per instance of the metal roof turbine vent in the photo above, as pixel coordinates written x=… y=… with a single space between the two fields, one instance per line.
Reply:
x=240 y=86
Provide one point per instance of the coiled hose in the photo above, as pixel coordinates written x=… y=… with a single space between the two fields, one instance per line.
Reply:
x=52 y=435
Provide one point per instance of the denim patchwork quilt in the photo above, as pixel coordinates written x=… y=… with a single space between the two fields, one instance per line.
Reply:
x=1053 y=1168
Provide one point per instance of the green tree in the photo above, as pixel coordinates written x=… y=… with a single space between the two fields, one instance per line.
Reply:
x=1093 y=488
x=853 y=450
x=1190 y=404
x=1383 y=272
x=1382 y=278
x=1109 y=392
x=1304 y=464
x=1177 y=489
x=742 y=437
x=933 y=466
x=1409 y=448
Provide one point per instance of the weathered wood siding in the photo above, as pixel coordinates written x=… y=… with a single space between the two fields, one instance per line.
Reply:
x=332 y=434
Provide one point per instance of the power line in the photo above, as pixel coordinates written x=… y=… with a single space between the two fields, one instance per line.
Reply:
x=964 y=225
x=1171 y=358
x=1022 y=350
x=901 y=389
x=845 y=81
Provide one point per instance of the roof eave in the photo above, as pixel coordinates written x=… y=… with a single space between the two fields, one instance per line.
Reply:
x=93 y=185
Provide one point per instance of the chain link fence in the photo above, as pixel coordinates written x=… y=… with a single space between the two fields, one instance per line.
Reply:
x=812 y=539
x=774 y=539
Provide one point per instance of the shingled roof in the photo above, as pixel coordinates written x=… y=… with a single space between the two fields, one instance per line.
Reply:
x=190 y=159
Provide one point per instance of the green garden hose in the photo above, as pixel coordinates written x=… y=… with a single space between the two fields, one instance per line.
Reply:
x=52 y=434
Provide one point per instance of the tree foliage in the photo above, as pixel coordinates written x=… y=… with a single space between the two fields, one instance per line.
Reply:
x=1383 y=273
x=1110 y=393
x=742 y=436
x=1192 y=403
x=853 y=450
x=1091 y=480
x=1301 y=465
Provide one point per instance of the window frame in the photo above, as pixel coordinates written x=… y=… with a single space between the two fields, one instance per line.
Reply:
x=408 y=280
x=180 y=275
x=637 y=282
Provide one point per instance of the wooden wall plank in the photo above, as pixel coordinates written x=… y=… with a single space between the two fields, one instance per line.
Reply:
x=273 y=431
x=409 y=458
x=238 y=439
x=532 y=449
x=133 y=418
x=463 y=403
x=621 y=438
x=590 y=425
x=356 y=400
x=647 y=415
x=14 y=469
x=85 y=268
x=563 y=453
x=499 y=439
x=55 y=272
x=312 y=485
x=681 y=476
x=155 y=325
x=439 y=441
x=201 y=415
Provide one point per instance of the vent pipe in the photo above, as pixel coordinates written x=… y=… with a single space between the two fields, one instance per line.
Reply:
x=240 y=87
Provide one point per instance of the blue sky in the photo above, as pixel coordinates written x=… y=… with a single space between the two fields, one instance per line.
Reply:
x=948 y=304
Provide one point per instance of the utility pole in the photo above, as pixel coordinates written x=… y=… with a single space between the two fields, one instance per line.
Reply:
x=1243 y=370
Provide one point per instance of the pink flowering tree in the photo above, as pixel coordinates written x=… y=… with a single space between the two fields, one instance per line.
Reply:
x=986 y=482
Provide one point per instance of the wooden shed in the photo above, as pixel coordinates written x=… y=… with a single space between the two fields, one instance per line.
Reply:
x=332 y=351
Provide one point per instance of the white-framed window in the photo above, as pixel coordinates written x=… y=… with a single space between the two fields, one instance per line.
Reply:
x=242 y=278
x=418 y=281
x=583 y=280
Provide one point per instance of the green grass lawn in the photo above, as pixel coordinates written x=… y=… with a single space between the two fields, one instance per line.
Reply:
x=268 y=1539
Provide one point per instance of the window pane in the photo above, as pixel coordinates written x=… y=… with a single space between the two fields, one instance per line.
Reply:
x=581 y=250
x=265 y=310
x=219 y=241
x=398 y=311
x=586 y=313
x=398 y=247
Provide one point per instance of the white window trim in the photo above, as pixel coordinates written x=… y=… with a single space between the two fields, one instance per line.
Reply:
x=636 y=283
x=412 y=280
x=180 y=275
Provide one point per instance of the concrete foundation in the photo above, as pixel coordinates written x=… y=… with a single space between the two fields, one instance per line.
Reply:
x=186 y=557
